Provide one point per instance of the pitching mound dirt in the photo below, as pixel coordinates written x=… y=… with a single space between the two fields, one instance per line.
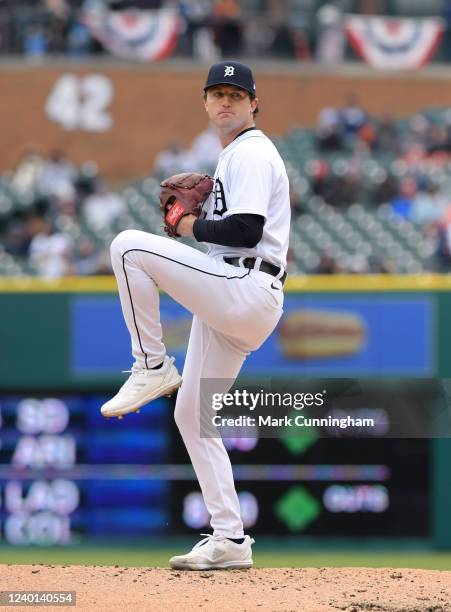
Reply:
x=299 y=590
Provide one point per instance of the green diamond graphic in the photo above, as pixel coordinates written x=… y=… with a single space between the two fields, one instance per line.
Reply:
x=298 y=440
x=297 y=509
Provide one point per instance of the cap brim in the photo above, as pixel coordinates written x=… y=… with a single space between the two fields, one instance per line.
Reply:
x=229 y=82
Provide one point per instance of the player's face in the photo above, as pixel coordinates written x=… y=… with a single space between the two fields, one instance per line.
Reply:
x=230 y=108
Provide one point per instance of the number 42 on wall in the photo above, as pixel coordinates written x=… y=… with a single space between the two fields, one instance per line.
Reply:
x=81 y=103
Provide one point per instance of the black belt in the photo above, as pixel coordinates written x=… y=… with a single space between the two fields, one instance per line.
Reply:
x=249 y=262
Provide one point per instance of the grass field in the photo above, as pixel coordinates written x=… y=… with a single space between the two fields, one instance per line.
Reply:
x=265 y=558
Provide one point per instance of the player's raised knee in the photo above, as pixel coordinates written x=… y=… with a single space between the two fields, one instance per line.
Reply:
x=123 y=241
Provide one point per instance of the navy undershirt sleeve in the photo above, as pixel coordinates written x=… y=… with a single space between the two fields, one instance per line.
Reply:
x=243 y=230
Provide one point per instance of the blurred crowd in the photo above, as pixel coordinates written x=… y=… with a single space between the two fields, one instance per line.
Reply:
x=202 y=154
x=402 y=167
x=52 y=199
x=208 y=28
x=227 y=28
x=351 y=128
x=56 y=214
x=57 y=219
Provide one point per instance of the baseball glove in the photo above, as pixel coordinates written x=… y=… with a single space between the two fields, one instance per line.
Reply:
x=183 y=194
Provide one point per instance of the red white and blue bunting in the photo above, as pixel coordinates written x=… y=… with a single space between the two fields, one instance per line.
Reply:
x=144 y=35
x=394 y=44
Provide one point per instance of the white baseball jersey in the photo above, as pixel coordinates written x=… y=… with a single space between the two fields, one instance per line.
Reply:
x=251 y=178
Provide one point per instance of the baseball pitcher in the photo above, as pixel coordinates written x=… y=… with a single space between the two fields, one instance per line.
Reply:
x=235 y=292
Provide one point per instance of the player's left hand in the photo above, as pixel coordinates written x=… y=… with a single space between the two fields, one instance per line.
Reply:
x=185 y=226
x=183 y=195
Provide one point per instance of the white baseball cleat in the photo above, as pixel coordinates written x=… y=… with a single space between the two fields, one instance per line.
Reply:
x=215 y=552
x=141 y=387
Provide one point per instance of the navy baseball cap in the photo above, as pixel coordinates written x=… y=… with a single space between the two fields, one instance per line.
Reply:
x=231 y=73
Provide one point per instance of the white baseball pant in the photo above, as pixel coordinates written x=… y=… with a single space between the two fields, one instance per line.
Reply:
x=235 y=310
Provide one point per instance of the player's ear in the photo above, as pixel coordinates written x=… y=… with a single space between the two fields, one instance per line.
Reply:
x=254 y=104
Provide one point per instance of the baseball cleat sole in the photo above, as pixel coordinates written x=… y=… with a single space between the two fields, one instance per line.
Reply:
x=230 y=565
x=136 y=409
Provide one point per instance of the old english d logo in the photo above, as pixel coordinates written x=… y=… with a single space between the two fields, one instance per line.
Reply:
x=229 y=70
x=220 y=202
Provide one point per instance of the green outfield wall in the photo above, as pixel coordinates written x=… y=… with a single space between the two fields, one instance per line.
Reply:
x=36 y=331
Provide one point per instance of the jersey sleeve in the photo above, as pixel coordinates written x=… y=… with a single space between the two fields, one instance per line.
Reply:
x=250 y=176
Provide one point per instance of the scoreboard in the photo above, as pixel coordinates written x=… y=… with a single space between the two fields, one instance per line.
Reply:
x=68 y=475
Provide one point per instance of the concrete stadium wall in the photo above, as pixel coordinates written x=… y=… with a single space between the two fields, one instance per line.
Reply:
x=152 y=106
